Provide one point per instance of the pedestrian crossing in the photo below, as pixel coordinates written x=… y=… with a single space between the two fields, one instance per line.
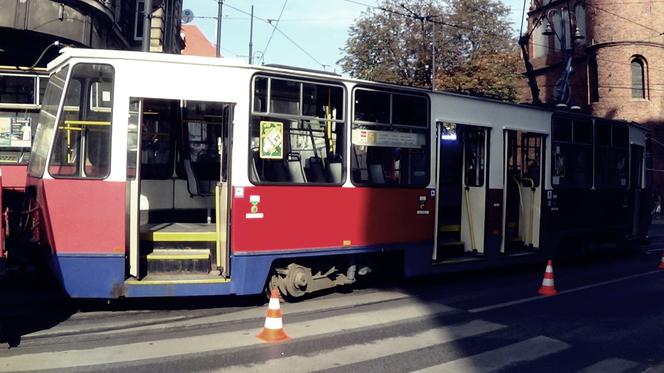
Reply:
x=440 y=334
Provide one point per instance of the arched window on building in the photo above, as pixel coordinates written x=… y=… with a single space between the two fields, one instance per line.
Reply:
x=540 y=42
x=638 y=68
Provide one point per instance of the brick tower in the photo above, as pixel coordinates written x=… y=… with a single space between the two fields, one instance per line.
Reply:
x=616 y=50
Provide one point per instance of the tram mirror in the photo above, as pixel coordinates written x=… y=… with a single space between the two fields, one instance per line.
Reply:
x=448 y=131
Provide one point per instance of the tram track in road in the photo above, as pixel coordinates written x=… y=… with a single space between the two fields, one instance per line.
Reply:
x=105 y=325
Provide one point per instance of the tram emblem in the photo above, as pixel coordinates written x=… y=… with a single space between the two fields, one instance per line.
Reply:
x=254 y=214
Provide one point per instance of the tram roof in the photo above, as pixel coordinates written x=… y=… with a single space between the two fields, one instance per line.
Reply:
x=69 y=52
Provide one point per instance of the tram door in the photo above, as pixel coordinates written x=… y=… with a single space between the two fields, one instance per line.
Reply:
x=635 y=183
x=474 y=188
x=178 y=195
x=522 y=191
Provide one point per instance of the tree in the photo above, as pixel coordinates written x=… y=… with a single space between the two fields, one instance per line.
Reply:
x=475 y=50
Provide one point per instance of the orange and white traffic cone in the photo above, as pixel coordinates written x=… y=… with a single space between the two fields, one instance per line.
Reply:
x=661 y=263
x=273 y=331
x=548 y=287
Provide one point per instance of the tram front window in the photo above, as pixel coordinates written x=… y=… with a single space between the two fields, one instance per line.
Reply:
x=46 y=122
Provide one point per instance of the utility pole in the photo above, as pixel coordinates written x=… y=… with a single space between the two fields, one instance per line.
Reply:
x=147 y=26
x=219 y=15
x=433 y=53
x=251 y=37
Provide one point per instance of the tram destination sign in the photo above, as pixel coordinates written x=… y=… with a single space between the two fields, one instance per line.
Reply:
x=391 y=139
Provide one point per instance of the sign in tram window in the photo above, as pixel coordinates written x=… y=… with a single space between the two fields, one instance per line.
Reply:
x=271 y=140
x=15 y=132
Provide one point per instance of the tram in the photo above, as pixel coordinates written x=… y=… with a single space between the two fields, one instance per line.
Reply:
x=162 y=175
x=21 y=92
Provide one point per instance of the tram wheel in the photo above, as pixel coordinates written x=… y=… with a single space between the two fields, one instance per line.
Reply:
x=297 y=280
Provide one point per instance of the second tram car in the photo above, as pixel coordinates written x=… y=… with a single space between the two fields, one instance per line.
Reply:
x=21 y=94
x=161 y=175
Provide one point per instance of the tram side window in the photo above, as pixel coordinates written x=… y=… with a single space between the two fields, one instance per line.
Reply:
x=611 y=149
x=474 y=157
x=299 y=137
x=390 y=142
x=82 y=146
x=16 y=89
x=531 y=146
x=572 y=153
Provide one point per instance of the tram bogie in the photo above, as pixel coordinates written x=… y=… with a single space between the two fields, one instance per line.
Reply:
x=157 y=175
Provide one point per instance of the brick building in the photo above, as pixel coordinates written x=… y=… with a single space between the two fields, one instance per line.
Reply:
x=616 y=49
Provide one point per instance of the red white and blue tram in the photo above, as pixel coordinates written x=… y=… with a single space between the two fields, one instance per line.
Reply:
x=161 y=175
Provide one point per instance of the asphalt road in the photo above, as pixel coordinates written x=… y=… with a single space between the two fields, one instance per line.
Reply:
x=607 y=318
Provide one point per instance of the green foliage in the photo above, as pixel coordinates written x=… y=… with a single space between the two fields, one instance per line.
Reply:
x=475 y=49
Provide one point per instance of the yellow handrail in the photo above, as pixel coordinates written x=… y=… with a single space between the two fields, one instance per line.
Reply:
x=87 y=122
x=470 y=221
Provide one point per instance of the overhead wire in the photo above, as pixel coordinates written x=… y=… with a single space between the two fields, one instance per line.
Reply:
x=278 y=30
x=274 y=29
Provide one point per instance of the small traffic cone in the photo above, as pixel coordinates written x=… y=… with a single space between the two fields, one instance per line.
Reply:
x=661 y=263
x=548 y=288
x=273 y=331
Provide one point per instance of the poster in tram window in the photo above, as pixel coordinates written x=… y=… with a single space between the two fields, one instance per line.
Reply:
x=20 y=132
x=5 y=131
x=271 y=140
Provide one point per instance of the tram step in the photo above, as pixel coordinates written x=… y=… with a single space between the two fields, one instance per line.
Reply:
x=450 y=248
x=174 y=260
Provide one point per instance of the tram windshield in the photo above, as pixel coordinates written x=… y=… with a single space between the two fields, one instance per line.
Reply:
x=46 y=122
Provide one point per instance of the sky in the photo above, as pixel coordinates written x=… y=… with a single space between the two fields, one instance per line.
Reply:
x=309 y=33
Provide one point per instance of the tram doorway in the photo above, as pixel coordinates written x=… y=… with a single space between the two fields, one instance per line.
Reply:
x=462 y=186
x=522 y=186
x=177 y=189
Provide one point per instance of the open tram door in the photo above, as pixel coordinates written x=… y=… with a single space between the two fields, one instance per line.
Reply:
x=522 y=186
x=474 y=187
x=177 y=190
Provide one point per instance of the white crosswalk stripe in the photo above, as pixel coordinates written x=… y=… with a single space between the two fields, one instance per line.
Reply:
x=528 y=350
x=364 y=352
x=613 y=365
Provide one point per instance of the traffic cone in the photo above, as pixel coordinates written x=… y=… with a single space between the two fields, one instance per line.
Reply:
x=273 y=331
x=548 y=288
x=661 y=263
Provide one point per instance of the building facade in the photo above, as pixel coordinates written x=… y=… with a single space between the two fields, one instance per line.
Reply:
x=616 y=53
x=27 y=27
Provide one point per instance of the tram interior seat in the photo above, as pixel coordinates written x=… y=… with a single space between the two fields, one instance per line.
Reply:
x=295 y=170
x=315 y=170
x=335 y=169
x=197 y=187
x=376 y=175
